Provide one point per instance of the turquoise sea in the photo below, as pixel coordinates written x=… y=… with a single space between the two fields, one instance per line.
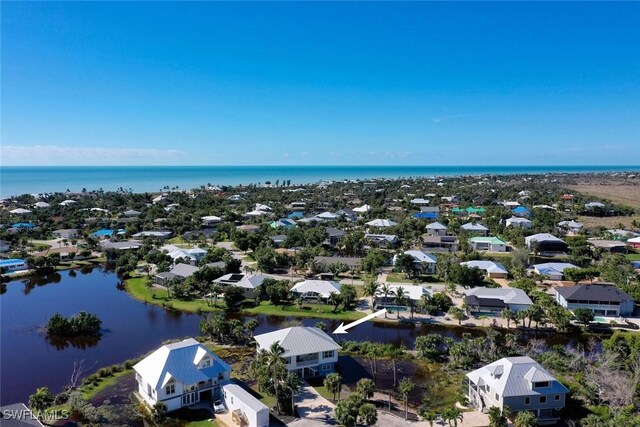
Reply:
x=15 y=180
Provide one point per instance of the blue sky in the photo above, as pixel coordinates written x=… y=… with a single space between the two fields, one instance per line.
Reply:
x=122 y=83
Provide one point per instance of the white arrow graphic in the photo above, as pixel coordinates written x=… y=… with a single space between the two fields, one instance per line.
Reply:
x=342 y=329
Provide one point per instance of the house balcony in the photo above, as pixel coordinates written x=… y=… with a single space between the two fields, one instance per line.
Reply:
x=200 y=386
x=307 y=361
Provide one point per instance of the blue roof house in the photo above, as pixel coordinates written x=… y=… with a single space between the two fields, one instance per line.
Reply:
x=521 y=211
x=10 y=265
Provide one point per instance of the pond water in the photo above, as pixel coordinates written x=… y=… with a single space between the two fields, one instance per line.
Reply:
x=29 y=360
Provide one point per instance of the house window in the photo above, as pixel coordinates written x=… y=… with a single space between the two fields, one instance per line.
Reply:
x=326 y=367
x=327 y=354
x=206 y=363
x=221 y=376
x=543 y=399
x=557 y=397
x=527 y=401
x=170 y=389
x=541 y=384
x=497 y=397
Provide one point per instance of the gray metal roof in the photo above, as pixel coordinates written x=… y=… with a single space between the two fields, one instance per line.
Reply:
x=184 y=270
x=595 y=292
x=512 y=376
x=507 y=295
x=298 y=340
x=244 y=396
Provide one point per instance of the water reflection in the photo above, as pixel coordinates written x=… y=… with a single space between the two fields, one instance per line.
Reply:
x=82 y=343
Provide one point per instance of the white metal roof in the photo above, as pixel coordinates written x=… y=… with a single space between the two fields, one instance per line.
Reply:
x=488 y=266
x=322 y=287
x=298 y=340
x=381 y=223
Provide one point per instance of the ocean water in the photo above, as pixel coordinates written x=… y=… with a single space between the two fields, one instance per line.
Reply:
x=16 y=180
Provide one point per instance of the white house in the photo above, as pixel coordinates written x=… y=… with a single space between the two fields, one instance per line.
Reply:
x=545 y=242
x=572 y=227
x=244 y=281
x=520 y=384
x=316 y=289
x=192 y=255
x=245 y=409
x=412 y=292
x=424 y=262
x=553 y=270
x=20 y=211
x=10 y=265
x=518 y=222
x=41 y=205
x=494 y=300
x=309 y=352
x=362 y=209
x=492 y=269
x=381 y=223
x=210 y=220
x=181 y=374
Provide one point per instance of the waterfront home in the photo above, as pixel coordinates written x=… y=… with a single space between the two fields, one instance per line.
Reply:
x=520 y=384
x=603 y=299
x=209 y=220
x=318 y=290
x=475 y=228
x=545 y=242
x=247 y=282
x=494 y=270
x=155 y=234
x=424 y=263
x=571 y=227
x=181 y=374
x=67 y=233
x=482 y=300
x=245 y=409
x=436 y=229
x=490 y=244
x=610 y=246
x=517 y=222
x=191 y=256
x=14 y=264
x=413 y=294
x=309 y=352
x=382 y=223
x=178 y=272
x=440 y=243
x=553 y=270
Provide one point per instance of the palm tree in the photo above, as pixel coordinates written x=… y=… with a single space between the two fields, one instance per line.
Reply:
x=365 y=388
x=276 y=364
x=293 y=383
x=405 y=387
x=508 y=315
x=258 y=366
x=368 y=414
x=386 y=290
x=333 y=383
x=371 y=290
x=452 y=415
x=525 y=419
x=430 y=417
x=400 y=299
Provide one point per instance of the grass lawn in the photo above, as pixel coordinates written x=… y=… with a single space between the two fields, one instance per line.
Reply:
x=398 y=278
x=137 y=288
x=90 y=391
x=322 y=311
x=632 y=257
x=176 y=240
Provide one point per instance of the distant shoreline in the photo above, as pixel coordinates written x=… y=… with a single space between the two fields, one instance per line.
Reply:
x=17 y=180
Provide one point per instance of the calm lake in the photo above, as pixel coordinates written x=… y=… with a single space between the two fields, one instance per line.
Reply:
x=29 y=360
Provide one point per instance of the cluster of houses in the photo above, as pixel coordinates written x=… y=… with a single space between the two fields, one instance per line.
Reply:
x=187 y=373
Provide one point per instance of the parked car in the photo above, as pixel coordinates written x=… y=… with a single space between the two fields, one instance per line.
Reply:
x=218 y=407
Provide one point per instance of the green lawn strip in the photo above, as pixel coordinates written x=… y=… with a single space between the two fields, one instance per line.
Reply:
x=90 y=391
x=307 y=310
x=632 y=257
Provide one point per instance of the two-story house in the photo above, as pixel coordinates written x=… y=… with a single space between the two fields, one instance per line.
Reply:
x=603 y=299
x=520 y=384
x=309 y=352
x=181 y=374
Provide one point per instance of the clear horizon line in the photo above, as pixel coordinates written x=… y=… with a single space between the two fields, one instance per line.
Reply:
x=325 y=165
